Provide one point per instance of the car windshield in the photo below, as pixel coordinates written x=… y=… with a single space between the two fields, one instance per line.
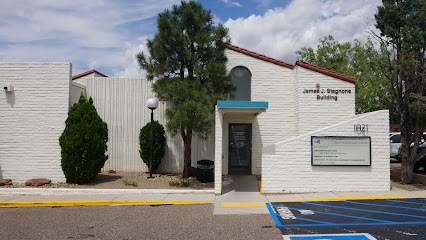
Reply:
x=396 y=138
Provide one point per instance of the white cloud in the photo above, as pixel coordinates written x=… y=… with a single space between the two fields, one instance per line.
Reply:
x=107 y=34
x=90 y=34
x=281 y=31
x=232 y=3
x=132 y=66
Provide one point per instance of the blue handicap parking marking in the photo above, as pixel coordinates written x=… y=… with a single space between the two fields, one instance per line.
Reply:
x=356 y=236
x=348 y=213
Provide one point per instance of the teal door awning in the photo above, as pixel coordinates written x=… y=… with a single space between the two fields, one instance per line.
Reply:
x=244 y=107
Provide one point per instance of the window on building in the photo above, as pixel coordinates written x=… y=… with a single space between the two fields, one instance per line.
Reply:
x=241 y=79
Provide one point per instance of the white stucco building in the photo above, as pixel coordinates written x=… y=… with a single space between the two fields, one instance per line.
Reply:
x=271 y=126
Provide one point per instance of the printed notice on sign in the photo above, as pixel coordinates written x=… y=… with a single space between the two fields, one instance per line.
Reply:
x=340 y=151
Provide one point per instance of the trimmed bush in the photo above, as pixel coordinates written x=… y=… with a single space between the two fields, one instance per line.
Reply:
x=158 y=145
x=83 y=142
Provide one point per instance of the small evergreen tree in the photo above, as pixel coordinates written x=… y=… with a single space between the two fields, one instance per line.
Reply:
x=158 y=144
x=83 y=142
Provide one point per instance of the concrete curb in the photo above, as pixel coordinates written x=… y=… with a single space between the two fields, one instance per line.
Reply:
x=73 y=191
x=340 y=199
x=95 y=203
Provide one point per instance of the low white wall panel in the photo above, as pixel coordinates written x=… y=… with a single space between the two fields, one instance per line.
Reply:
x=286 y=166
x=32 y=118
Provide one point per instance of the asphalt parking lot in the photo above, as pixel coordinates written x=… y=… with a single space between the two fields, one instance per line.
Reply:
x=361 y=219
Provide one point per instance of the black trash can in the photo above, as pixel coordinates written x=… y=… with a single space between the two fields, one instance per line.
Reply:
x=205 y=170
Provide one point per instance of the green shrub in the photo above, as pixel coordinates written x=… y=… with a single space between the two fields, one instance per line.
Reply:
x=158 y=145
x=180 y=183
x=83 y=143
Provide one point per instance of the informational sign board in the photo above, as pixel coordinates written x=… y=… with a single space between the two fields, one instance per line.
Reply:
x=340 y=151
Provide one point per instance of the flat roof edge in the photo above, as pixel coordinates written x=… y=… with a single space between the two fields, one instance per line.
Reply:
x=242 y=104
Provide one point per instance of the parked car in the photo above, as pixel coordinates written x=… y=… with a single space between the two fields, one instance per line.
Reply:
x=422 y=162
x=395 y=145
x=422 y=147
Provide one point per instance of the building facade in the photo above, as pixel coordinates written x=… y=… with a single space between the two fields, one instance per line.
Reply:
x=268 y=127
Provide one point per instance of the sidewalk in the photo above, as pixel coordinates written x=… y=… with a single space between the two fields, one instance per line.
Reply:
x=240 y=196
x=31 y=197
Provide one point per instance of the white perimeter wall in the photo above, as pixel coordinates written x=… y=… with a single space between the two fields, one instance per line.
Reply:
x=121 y=102
x=32 y=118
x=75 y=91
x=286 y=166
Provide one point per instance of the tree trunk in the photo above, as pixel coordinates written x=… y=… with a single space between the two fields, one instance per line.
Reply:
x=187 y=140
x=407 y=169
x=407 y=163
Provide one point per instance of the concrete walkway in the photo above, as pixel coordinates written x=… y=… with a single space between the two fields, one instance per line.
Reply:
x=240 y=196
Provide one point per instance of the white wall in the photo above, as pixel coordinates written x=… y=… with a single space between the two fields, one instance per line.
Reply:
x=218 y=154
x=32 y=118
x=75 y=91
x=275 y=85
x=315 y=114
x=121 y=103
x=290 y=111
x=286 y=166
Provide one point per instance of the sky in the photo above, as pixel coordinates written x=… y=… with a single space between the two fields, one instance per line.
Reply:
x=106 y=35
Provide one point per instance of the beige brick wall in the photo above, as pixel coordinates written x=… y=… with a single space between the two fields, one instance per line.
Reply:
x=313 y=113
x=32 y=117
x=286 y=166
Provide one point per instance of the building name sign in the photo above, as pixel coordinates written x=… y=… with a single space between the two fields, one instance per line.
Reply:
x=340 y=151
x=326 y=94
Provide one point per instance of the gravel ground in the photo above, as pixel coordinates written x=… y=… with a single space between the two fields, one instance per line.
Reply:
x=137 y=180
x=131 y=180
x=408 y=187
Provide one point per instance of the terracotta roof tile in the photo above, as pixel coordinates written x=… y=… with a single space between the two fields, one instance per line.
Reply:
x=259 y=56
x=290 y=66
x=87 y=73
x=326 y=71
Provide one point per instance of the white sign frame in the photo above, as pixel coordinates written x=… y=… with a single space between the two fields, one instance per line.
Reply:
x=340 y=150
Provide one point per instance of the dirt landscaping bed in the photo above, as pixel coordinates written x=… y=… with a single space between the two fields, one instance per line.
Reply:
x=137 y=180
x=131 y=180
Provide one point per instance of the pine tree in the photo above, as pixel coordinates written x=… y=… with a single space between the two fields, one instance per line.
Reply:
x=188 y=65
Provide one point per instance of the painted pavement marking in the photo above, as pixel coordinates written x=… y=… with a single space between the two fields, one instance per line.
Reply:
x=347 y=213
x=241 y=204
x=364 y=210
x=384 y=205
x=340 y=198
x=409 y=202
x=343 y=236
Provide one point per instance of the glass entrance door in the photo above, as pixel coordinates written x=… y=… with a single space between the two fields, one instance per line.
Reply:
x=239 y=148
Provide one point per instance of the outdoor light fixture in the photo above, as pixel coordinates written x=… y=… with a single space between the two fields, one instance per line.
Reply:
x=152 y=104
x=8 y=88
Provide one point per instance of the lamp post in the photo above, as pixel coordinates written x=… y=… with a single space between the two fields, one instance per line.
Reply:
x=152 y=104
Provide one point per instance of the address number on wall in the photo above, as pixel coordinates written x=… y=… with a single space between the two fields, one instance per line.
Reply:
x=360 y=127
